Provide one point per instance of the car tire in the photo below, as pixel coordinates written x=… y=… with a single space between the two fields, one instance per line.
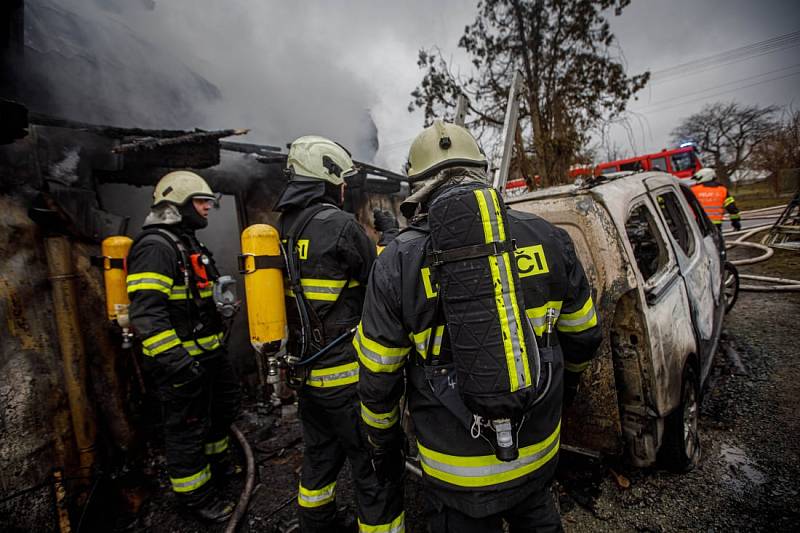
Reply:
x=680 y=449
x=730 y=287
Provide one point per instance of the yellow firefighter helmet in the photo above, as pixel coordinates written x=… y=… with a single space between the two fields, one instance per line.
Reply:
x=319 y=158
x=179 y=186
x=442 y=145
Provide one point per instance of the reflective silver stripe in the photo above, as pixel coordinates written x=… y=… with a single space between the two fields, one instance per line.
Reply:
x=193 y=482
x=132 y=284
x=212 y=342
x=375 y=357
x=578 y=321
x=380 y=420
x=515 y=333
x=422 y=339
x=334 y=376
x=316 y=498
x=398 y=525
x=513 y=326
x=487 y=471
x=178 y=292
x=160 y=342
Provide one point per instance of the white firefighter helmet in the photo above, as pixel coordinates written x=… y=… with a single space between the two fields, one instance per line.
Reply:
x=442 y=145
x=319 y=158
x=179 y=186
x=704 y=175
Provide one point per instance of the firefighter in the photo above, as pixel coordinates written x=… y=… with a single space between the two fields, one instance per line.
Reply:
x=401 y=333
x=170 y=283
x=715 y=199
x=333 y=258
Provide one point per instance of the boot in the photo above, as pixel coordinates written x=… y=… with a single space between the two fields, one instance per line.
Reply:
x=209 y=506
x=225 y=469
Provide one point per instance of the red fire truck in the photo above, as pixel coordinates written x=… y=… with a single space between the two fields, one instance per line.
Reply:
x=682 y=162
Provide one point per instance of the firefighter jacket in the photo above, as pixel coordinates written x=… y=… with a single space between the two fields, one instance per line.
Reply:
x=715 y=199
x=174 y=318
x=393 y=340
x=335 y=257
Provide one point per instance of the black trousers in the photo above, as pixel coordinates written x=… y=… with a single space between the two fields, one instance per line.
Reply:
x=331 y=434
x=197 y=414
x=536 y=513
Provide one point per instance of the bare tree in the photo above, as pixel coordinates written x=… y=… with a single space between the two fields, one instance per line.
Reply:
x=730 y=132
x=780 y=149
x=572 y=78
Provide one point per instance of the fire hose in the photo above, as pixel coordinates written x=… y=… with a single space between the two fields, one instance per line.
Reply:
x=249 y=483
x=780 y=284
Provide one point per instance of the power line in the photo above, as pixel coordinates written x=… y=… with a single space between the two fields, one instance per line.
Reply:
x=726 y=84
x=734 y=55
x=679 y=104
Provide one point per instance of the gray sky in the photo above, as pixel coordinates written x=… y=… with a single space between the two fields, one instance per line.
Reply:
x=286 y=69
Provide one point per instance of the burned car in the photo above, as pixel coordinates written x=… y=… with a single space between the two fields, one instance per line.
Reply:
x=656 y=266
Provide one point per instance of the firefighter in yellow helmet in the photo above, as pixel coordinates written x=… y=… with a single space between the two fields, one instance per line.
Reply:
x=328 y=271
x=171 y=280
x=406 y=346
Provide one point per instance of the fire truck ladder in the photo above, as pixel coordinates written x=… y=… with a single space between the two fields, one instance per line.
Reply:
x=785 y=233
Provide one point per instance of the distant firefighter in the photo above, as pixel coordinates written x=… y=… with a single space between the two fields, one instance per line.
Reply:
x=715 y=198
x=173 y=284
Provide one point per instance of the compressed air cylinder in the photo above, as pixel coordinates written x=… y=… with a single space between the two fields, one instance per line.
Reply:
x=263 y=282
x=115 y=252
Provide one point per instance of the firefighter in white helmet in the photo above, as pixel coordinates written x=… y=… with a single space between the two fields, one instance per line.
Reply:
x=329 y=267
x=171 y=277
x=715 y=198
x=405 y=348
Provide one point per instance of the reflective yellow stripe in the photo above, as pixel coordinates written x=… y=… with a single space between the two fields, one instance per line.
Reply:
x=148 y=281
x=377 y=357
x=334 y=376
x=430 y=291
x=580 y=320
x=504 y=294
x=212 y=342
x=327 y=290
x=538 y=315
x=316 y=498
x=193 y=482
x=398 y=525
x=160 y=342
x=576 y=367
x=213 y=448
x=421 y=341
x=380 y=420
x=728 y=201
x=353 y=283
x=487 y=470
x=179 y=292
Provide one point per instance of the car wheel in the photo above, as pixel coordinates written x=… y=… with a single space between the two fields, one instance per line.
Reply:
x=681 y=446
x=731 y=285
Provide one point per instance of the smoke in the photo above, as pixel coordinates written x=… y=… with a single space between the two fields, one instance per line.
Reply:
x=275 y=68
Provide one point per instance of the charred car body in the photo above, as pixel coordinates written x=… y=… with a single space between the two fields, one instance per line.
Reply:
x=655 y=263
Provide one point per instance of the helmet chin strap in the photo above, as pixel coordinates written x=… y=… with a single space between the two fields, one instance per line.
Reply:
x=190 y=218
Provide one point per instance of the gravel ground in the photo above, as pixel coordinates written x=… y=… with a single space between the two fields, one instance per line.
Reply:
x=748 y=479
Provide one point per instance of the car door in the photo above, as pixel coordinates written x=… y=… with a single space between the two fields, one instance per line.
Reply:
x=670 y=335
x=696 y=266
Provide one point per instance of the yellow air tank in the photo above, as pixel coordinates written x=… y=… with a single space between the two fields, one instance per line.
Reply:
x=260 y=264
x=115 y=253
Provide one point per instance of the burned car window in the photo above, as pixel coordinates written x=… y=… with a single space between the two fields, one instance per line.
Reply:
x=705 y=225
x=676 y=221
x=647 y=247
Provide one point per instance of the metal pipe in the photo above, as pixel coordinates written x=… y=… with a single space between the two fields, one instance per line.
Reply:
x=65 y=308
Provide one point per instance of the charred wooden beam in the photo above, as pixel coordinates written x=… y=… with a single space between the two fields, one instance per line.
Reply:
x=198 y=137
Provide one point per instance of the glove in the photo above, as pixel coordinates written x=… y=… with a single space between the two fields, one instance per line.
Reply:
x=389 y=464
x=571 y=381
x=737 y=225
x=384 y=220
x=189 y=374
